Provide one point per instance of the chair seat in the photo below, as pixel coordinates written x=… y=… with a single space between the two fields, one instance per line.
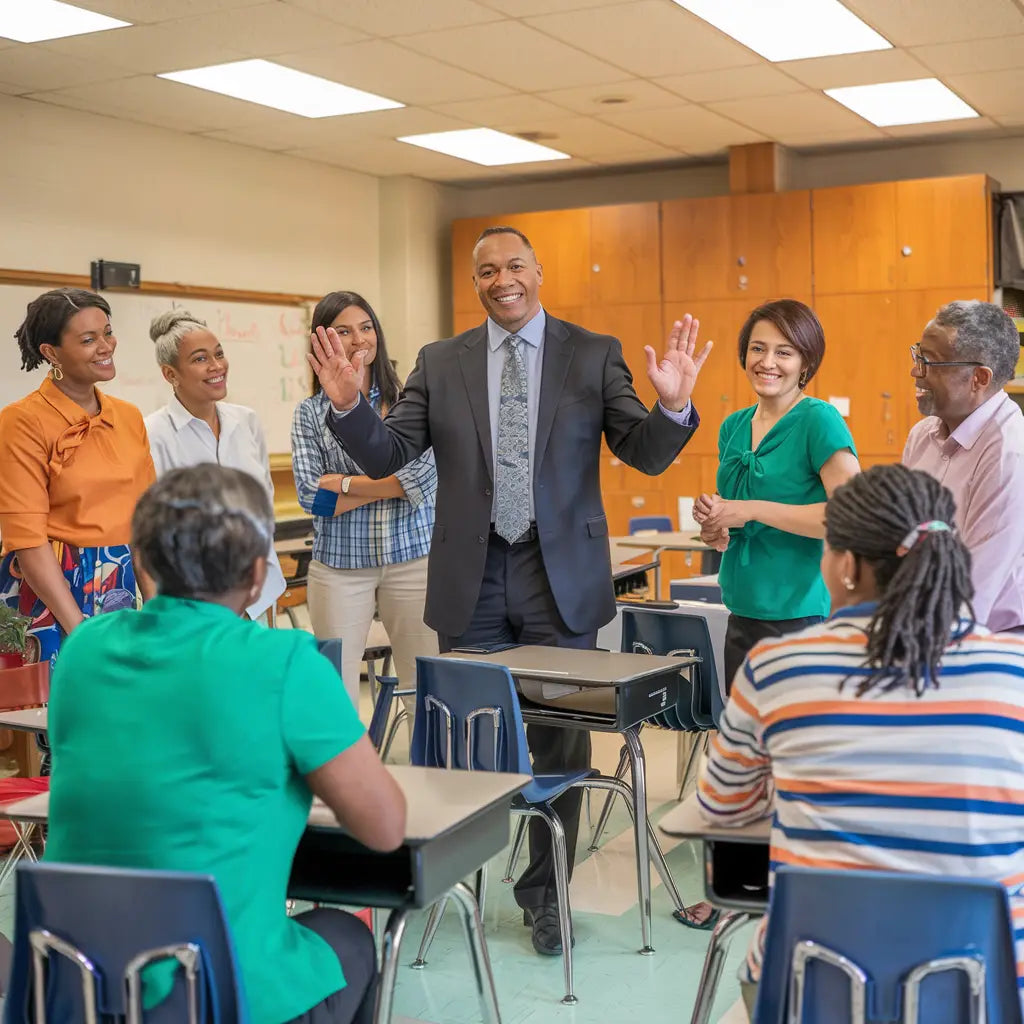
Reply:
x=548 y=787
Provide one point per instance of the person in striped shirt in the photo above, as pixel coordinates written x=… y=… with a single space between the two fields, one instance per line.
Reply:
x=890 y=736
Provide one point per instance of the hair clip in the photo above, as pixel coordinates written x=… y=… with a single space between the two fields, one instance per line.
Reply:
x=920 y=531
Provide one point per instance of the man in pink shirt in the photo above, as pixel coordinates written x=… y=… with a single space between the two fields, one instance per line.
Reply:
x=972 y=440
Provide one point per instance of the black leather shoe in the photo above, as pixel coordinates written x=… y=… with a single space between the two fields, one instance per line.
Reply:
x=547 y=938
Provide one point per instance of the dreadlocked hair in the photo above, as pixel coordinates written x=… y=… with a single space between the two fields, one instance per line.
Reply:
x=924 y=591
x=47 y=316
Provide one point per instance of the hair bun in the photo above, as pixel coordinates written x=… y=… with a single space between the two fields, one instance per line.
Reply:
x=166 y=322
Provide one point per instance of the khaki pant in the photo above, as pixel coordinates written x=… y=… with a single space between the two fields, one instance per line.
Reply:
x=341 y=605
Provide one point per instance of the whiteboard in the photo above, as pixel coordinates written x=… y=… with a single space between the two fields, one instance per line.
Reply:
x=266 y=348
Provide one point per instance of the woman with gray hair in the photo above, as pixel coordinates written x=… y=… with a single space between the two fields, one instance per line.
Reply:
x=215 y=735
x=197 y=425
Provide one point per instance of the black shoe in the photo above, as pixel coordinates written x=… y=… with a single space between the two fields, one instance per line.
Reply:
x=547 y=937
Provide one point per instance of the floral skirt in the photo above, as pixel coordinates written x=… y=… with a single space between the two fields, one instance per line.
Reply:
x=101 y=580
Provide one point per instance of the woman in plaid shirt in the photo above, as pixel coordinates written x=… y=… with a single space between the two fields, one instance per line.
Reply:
x=370 y=537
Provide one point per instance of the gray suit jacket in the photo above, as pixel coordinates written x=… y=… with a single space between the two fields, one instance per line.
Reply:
x=586 y=390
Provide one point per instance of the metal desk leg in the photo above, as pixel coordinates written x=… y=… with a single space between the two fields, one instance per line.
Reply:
x=389 y=965
x=714 y=961
x=643 y=849
x=657 y=573
x=482 y=976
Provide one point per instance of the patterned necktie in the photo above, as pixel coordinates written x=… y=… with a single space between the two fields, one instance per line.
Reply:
x=512 y=469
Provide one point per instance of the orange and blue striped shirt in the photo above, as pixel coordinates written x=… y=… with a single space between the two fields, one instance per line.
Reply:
x=890 y=781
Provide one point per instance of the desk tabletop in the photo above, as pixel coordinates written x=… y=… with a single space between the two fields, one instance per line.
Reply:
x=437 y=800
x=28 y=719
x=629 y=567
x=294 y=545
x=687 y=822
x=674 y=540
x=576 y=667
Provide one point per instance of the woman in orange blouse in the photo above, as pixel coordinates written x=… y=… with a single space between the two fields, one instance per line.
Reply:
x=73 y=462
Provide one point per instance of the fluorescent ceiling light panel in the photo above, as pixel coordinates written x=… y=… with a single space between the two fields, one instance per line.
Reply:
x=789 y=29
x=273 y=85
x=485 y=146
x=30 y=21
x=920 y=101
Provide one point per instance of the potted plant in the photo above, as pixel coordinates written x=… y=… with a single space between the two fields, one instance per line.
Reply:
x=13 y=637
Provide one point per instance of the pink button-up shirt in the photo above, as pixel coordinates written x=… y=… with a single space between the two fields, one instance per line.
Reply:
x=982 y=463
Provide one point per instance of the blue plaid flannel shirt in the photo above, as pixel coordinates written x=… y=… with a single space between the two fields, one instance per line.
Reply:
x=380 y=533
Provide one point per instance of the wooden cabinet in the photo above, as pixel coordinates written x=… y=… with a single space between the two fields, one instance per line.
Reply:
x=943 y=232
x=867 y=362
x=735 y=246
x=635 y=325
x=625 y=266
x=928 y=233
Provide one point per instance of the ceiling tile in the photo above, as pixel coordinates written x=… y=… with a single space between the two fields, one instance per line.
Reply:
x=152 y=11
x=587 y=99
x=584 y=136
x=804 y=113
x=941 y=129
x=385 y=68
x=649 y=38
x=527 y=8
x=855 y=69
x=515 y=54
x=651 y=154
x=31 y=68
x=686 y=127
x=736 y=83
x=919 y=22
x=157 y=101
x=977 y=55
x=500 y=110
x=996 y=93
x=398 y=17
x=146 y=49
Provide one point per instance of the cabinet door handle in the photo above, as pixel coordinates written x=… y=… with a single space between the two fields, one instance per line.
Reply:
x=906 y=251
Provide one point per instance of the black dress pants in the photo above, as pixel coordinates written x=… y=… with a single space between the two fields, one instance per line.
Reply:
x=743 y=635
x=516 y=606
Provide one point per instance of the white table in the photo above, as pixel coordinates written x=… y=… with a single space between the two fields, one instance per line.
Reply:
x=26 y=720
x=725 y=847
x=673 y=540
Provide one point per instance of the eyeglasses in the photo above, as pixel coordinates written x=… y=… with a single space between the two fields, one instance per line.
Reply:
x=922 y=362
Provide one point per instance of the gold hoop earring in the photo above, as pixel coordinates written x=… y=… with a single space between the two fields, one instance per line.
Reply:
x=848 y=583
x=56 y=372
x=803 y=379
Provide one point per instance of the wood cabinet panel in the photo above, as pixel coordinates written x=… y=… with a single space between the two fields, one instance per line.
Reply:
x=635 y=325
x=866 y=361
x=625 y=254
x=696 y=256
x=943 y=235
x=771 y=244
x=854 y=238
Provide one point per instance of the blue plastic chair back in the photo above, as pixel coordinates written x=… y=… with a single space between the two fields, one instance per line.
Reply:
x=887 y=925
x=661 y=523
x=459 y=701
x=653 y=631
x=111 y=916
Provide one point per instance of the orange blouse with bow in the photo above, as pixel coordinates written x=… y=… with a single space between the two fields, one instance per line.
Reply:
x=68 y=476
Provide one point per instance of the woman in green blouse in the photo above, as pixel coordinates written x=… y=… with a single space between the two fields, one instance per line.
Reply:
x=779 y=461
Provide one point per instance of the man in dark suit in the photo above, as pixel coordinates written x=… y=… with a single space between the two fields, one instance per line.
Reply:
x=515 y=411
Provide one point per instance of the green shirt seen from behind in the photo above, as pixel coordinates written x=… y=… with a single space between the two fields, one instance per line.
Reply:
x=181 y=736
x=767 y=573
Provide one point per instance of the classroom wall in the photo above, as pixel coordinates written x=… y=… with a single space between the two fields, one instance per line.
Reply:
x=75 y=187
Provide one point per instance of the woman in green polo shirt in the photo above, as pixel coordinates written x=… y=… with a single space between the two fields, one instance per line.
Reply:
x=779 y=460
x=188 y=738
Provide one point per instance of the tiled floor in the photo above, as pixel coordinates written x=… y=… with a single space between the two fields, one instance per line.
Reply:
x=615 y=985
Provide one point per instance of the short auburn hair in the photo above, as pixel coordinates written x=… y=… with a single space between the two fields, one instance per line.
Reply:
x=797 y=323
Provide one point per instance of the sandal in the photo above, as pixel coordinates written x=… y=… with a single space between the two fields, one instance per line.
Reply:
x=685 y=916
